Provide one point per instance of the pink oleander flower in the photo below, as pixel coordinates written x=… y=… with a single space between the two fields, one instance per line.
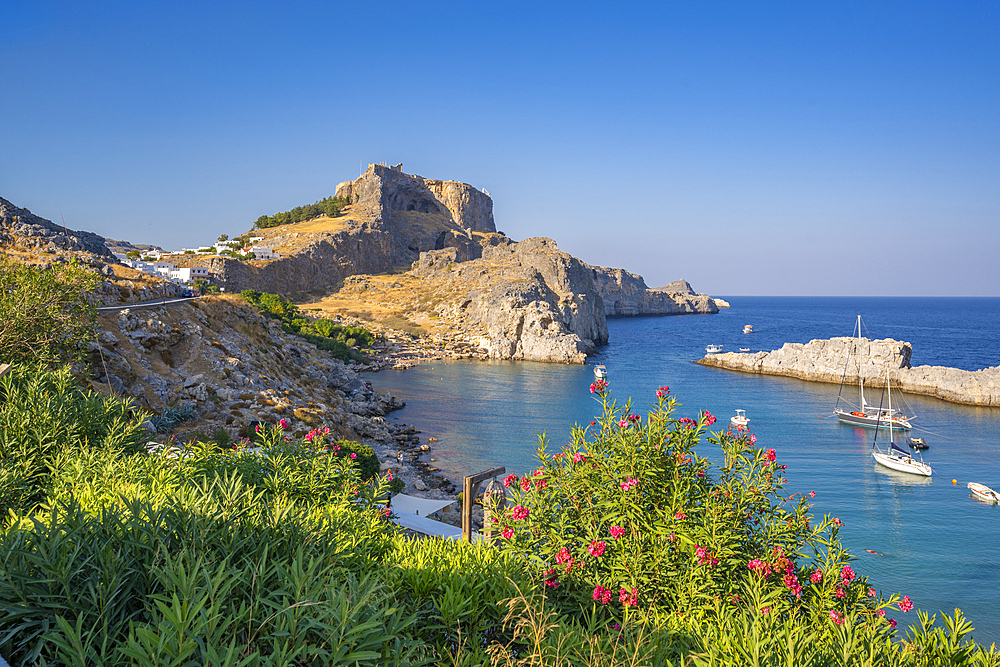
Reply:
x=634 y=418
x=881 y=612
x=816 y=576
x=525 y=484
x=792 y=583
x=509 y=479
x=541 y=483
x=771 y=456
x=519 y=513
x=629 y=484
x=552 y=583
x=837 y=618
x=871 y=592
x=579 y=457
x=283 y=423
x=660 y=393
x=905 y=605
x=628 y=599
x=617 y=532
x=353 y=455
x=602 y=594
x=753 y=438
x=709 y=418
x=701 y=473
x=388 y=476
x=326 y=430
x=563 y=556
x=759 y=567
x=837 y=522
x=623 y=423
x=847 y=574
x=680 y=516
x=892 y=623
x=765 y=611
x=596 y=548
x=838 y=592
x=507 y=533
x=812 y=494
x=309 y=436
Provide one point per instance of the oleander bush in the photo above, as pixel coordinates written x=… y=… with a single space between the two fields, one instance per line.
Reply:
x=624 y=548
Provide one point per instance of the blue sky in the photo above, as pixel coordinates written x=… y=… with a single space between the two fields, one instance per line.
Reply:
x=805 y=148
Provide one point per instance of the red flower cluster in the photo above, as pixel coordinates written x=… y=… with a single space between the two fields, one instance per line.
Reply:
x=905 y=605
x=760 y=567
x=602 y=594
x=771 y=456
x=629 y=484
x=509 y=479
x=519 y=512
x=705 y=556
x=596 y=548
x=598 y=387
x=627 y=599
x=709 y=418
x=617 y=532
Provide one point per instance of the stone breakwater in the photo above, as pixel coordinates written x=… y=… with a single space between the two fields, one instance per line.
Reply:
x=837 y=358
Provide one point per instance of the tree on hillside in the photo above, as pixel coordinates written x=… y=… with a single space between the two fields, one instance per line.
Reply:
x=223 y=238
x=43 y=314
x=133 y=254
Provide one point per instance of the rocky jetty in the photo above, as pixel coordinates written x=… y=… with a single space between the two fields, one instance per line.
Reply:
x=625 y=294
x=21 y=228
x=837 y=358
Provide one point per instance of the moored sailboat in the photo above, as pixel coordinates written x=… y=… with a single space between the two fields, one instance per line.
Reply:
x=894 y=456
x=865 y=415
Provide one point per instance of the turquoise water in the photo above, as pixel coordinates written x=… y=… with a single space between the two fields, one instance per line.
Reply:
x=939 y=546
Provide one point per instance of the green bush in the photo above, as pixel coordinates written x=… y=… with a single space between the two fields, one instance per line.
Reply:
x=44 y=414
x=330 y=206
x=339 y=340
x=43 y=314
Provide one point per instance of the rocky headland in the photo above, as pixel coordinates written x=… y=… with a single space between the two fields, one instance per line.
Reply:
x=835 y=359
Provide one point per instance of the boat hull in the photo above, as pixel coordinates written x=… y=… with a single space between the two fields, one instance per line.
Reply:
x=900 y=423
x=903 y=464
x=983 y=492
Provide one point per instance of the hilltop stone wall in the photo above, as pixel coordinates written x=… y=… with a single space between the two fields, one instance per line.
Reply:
x=830 y=360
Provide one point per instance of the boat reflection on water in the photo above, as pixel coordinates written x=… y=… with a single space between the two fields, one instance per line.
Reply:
x=901 y=478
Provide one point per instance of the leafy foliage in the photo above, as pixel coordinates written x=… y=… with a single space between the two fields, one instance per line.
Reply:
x=43 y=314
x=340 y=340
x=330 y=206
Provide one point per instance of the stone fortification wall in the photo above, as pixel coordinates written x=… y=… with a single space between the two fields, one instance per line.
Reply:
x=21 y=228
x=382 y=190
x=836 y=358
x=625 y=294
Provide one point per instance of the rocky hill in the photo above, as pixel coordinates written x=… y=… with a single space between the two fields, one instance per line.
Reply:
x=836 y=358
x=20 y=228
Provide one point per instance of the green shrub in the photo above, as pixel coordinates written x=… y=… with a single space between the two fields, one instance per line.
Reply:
x=330 y=206
x=43 y=314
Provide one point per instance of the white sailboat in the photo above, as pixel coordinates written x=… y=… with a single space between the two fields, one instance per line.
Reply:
x=865 y=415
x=740 y=419
x=896 y=457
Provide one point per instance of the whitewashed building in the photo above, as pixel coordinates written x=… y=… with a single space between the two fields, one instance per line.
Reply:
x=264 y=252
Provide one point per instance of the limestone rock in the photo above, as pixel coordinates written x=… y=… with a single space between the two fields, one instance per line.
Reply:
x=831 y=359
x=625 y=294
x=22 y=228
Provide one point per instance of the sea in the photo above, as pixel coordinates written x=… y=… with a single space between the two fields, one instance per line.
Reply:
x=931 y=539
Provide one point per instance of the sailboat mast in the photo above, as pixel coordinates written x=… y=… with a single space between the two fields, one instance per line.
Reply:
x=861 y=377
x=888 y=388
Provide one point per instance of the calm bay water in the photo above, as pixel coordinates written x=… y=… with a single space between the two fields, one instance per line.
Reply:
x=937 y=544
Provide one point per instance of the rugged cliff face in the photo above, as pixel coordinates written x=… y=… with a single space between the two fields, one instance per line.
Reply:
x=532 y=300
x=21 y=228
x=836 y=358
x=625 y=294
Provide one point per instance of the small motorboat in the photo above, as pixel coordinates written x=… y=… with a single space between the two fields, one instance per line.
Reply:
x=713 y=349
x=917 y=443
x=740 y=419
x=744 y=349
x=748 y=329
x=600 y=373
x=983 y=492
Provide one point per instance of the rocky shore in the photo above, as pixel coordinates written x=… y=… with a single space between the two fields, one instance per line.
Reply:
x=836 y=358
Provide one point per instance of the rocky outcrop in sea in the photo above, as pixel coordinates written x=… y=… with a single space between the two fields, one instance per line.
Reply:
x=836 y=359
x=625 y=294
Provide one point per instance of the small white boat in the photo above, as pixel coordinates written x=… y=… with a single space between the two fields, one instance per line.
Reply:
x=713 y=349
x=600 y=373
x=748 y=329
x=983 y=492
x=744 y=349
x=740 y=419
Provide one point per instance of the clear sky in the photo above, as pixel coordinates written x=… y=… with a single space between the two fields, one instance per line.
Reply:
x=802 y=148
